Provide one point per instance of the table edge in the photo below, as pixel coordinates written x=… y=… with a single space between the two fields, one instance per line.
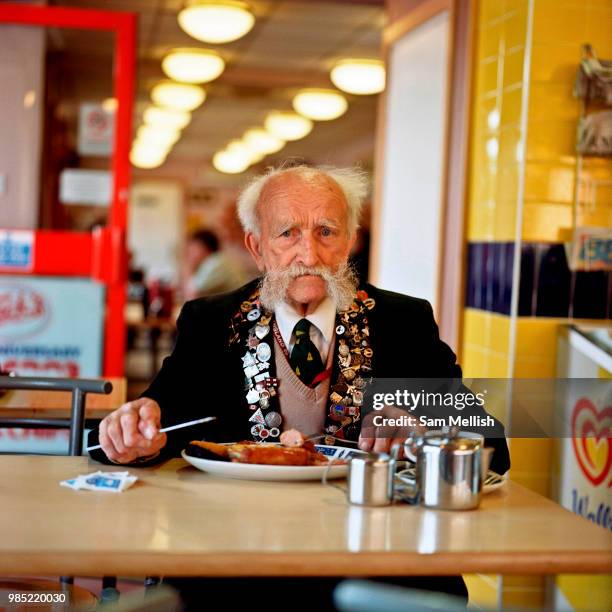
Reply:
x=306 y=564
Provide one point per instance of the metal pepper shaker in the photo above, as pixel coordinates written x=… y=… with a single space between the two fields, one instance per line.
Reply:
x=370 y=479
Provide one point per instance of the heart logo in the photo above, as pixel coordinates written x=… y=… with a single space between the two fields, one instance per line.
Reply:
x=592 y=440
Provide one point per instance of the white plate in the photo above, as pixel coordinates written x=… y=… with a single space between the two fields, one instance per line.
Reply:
x=254 y=471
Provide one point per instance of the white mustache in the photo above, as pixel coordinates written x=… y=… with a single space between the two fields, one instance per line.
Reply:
x=341 y=283
x=297 y=270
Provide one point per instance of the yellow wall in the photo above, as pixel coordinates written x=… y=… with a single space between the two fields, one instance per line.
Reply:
x=486 y=342
x=500 y=30
x=496 y=112
x=560 y=27
x=548 y=167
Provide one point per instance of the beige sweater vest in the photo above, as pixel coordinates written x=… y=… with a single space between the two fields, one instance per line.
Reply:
x=302 y=408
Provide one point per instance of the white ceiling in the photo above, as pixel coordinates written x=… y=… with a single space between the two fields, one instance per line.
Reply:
x=292 y=45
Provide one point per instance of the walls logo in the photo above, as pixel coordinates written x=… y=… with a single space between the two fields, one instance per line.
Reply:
x=592 y=440
x=23 y=312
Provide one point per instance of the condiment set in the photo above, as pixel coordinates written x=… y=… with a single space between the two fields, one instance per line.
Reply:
x=451 y=467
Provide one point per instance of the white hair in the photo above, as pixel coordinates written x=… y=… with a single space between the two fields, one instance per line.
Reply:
x=353 y=183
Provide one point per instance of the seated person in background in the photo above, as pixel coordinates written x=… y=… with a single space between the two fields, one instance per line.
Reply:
x=208 y=269
x=295 y=345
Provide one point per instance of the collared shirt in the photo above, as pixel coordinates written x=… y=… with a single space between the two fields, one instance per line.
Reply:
x=323 y=321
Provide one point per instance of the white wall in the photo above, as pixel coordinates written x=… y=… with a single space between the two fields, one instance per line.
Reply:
x=407 y=235
x=155 y=227
x=21 y=100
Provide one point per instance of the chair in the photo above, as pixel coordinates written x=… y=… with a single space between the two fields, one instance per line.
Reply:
x=42 y=402
x=43 y=395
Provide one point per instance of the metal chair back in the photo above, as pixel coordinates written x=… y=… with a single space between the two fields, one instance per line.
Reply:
x=79 y=387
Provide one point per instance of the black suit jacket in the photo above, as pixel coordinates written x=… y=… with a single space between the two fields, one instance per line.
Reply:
x=203 y=376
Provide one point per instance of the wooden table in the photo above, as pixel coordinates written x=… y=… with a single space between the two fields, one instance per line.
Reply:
x=179 y=521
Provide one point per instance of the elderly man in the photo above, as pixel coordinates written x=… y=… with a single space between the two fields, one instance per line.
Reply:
x=293 y=349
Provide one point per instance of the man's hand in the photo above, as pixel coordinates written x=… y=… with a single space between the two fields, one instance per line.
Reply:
x=380 y=438
x=132 y=431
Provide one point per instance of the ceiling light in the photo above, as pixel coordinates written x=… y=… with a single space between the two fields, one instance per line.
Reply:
x=158 y=135
x=359 y=76
x=193 y=65
x=147 y=157
x=256 y=157
x=241 y=148
x=179 y=96
x=320 y=104
x=260 y=141
x=218 y=21
x=287 y=125
x=155 y=115
x=146 y=150
x=150 y=148
x=230 y=162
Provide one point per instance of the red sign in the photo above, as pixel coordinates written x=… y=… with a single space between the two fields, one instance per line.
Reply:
x=592 y=440
x=23 y=310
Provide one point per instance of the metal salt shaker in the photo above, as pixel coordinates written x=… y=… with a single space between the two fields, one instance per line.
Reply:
x=370 y=478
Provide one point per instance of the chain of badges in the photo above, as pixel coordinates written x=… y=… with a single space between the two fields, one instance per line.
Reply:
x=250 y=329
x=354 y=359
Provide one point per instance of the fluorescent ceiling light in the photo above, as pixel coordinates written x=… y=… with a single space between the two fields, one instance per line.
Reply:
x=287 y=125
x=157 y=134
x=156 y=115
x=178 y=96
x=230 y=162
x=193 y=65
x=359 y=76
x=147 y=157
x=320 y=104
x=241 y=148
x=261 y=141
x=218 y=21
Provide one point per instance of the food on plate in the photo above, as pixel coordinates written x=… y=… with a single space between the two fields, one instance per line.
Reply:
x=294 y=450
x=275 y=455
x=208 y=450
x=292 y=437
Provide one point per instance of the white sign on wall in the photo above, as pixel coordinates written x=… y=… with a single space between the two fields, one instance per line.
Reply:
x=96 y=130
x=78 y=186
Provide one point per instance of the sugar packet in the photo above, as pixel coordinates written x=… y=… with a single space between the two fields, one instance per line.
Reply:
x=114 y=482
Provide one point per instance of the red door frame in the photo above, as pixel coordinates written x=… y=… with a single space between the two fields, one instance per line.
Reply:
x=101 y=254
